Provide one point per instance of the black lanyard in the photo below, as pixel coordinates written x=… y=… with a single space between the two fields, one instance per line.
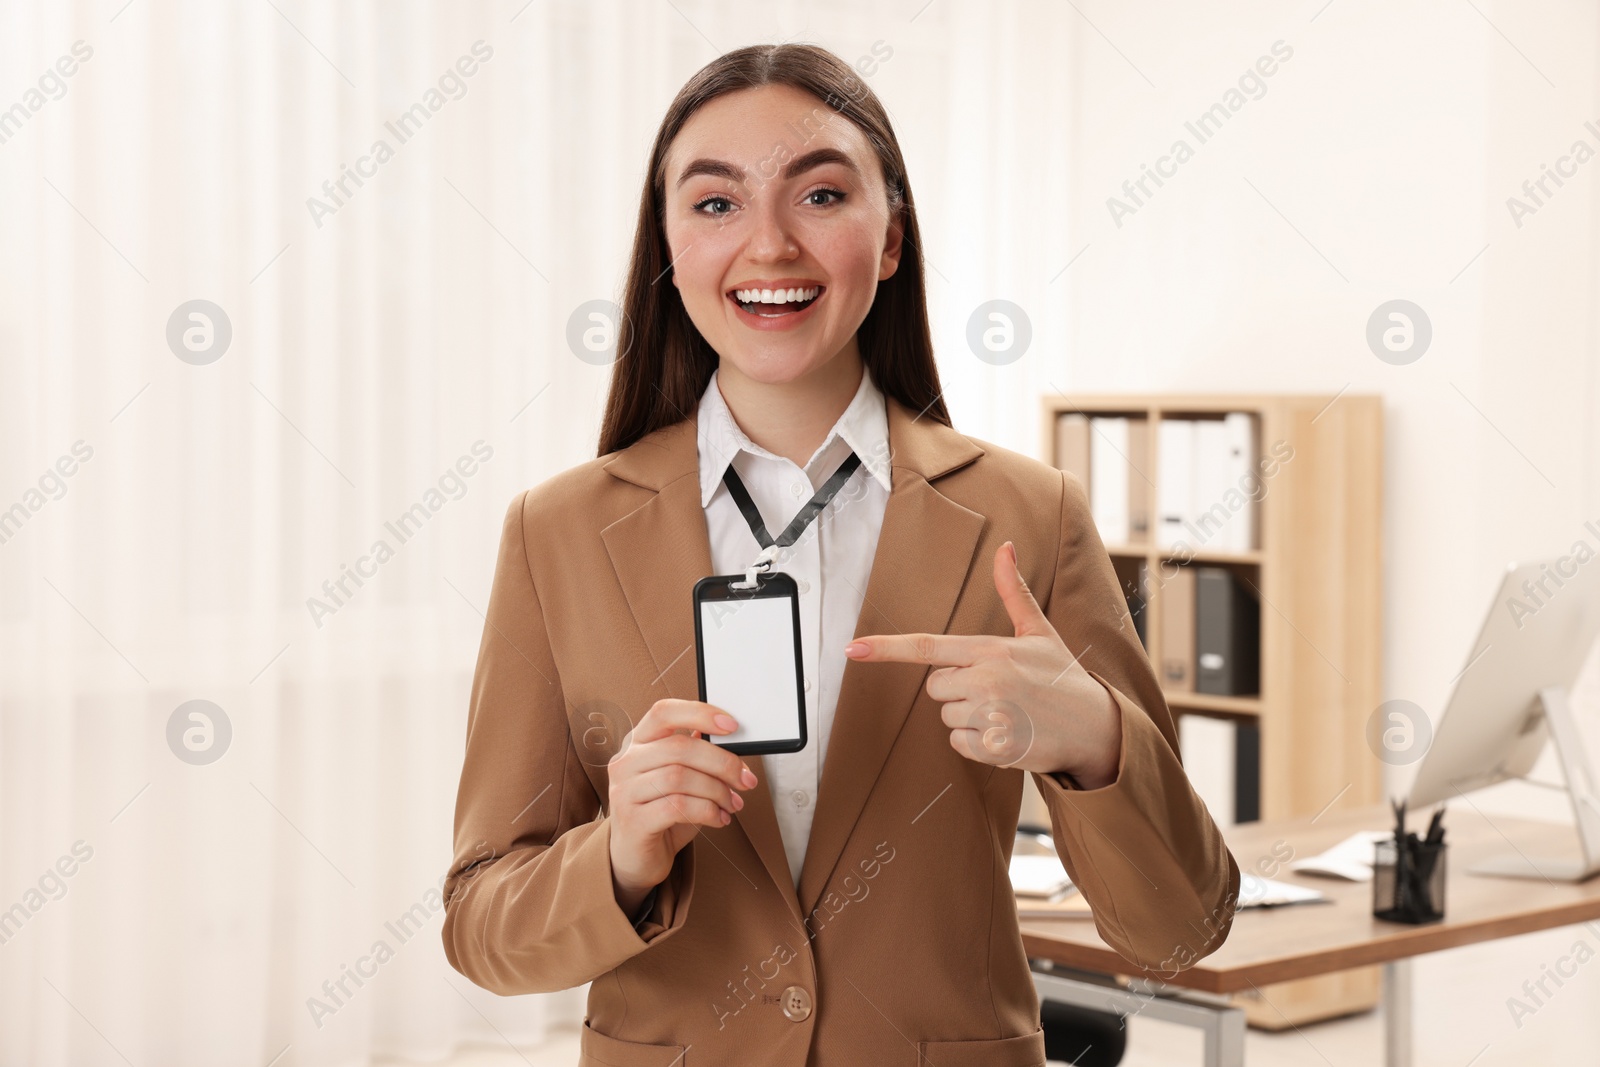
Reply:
x=802 y=518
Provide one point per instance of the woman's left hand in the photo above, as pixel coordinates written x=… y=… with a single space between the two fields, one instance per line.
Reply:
x=1021 y=701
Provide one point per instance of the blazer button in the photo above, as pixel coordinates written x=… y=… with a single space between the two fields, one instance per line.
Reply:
x=796 y=1004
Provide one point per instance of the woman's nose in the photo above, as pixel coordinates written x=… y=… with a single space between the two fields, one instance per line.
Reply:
x=771 y=239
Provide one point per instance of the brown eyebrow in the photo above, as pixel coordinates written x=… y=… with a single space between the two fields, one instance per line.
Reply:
x=717 y=168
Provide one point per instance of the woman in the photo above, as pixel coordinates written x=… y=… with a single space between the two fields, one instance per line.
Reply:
x=775 y=324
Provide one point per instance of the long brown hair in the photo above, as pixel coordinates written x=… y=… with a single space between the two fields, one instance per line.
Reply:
x=664 y=364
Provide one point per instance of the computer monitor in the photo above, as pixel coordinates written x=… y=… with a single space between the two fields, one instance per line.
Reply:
x=1512 y=696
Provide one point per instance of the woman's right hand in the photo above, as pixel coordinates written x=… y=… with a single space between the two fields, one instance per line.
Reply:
x=667 y=782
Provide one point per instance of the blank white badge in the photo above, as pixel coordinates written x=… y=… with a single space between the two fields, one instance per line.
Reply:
x=750 y=667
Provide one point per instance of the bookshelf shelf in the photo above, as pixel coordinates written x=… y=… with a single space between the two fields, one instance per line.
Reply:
x=1317 y=569
x=1161 y=555
x=1205 y=556
x=1207 y=702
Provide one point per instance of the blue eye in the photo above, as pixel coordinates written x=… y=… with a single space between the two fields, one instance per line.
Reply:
x=727 y=206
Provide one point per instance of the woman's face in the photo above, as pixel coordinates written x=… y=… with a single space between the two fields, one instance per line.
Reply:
x=777 y=221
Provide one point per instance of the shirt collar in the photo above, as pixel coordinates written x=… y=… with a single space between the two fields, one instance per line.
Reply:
x=864 y=426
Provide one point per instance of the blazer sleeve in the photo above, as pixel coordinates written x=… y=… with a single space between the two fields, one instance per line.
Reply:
x=1143 y=850
x=529 y=903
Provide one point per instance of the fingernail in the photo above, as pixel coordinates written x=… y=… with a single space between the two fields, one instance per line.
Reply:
x=726 y=722
x=726 y=818
x=738 y=801
x=748 y=778
x=855 y=648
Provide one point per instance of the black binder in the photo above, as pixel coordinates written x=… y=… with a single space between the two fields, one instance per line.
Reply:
x=1246 y=772
x=1227 y=634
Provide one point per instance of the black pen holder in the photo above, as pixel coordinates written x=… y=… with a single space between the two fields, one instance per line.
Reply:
x=1408 y=883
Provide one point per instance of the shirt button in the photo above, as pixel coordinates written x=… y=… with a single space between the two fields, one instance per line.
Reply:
x=805 y=586
x=795 y=489
x=808 y=685
x=796 y=1004
x=800 y=797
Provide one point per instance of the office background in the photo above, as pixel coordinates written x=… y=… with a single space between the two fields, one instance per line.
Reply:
x=381 y=336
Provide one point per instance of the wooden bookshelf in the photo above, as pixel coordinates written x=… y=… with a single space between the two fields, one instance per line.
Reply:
x=1317 y=569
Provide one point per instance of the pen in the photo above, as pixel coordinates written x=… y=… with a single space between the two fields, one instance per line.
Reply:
x=1402 y=866
x=1427 y=862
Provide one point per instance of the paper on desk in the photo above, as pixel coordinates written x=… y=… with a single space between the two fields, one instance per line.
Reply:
x=1350 y=859
x=1254 y=892
x=1070 y=906
x=1038 y=876
x=1258 y=892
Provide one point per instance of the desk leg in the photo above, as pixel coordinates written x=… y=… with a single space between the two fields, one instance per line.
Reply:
x=1225 y=1040
x=1397 y=1013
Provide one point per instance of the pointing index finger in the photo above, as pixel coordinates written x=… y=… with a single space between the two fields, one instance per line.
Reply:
x=946 y=650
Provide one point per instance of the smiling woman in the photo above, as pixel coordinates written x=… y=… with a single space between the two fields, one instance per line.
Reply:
x=786 y=153
x=705 y=897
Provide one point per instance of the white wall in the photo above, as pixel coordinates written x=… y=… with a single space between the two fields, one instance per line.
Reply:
x=1390 y=141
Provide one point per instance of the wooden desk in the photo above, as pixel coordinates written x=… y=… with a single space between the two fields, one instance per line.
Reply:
x=1277 y=944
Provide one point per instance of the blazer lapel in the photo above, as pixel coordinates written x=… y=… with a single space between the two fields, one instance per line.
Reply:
x=924 y=553
x=925 y=550
x=659 y=551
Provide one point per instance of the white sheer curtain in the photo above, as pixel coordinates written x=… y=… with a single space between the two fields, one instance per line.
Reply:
x=396 y=349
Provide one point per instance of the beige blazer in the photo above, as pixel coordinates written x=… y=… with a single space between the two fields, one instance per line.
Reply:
x=901 y=946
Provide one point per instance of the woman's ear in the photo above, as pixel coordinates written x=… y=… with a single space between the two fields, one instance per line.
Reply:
x=893 y=242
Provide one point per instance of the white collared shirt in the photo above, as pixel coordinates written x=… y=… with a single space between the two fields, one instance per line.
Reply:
x=830 y=563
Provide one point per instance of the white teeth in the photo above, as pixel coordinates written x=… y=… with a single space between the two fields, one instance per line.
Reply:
x=775 y=296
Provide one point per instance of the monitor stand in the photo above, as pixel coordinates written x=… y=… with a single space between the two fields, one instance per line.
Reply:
x=1580 y=789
